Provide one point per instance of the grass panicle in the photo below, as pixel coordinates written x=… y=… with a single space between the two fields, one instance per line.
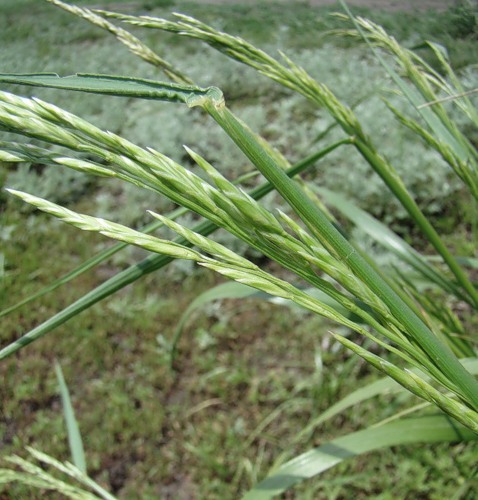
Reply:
x=35 y=475
x=133 y=44
x=297 y=79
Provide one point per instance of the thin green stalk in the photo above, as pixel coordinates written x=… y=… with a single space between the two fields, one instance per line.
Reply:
x=396 y=186
x=88 y=264
x=451 y=333
x=394 y=183
x=439 y=354
x=109 y=252
x=146 y=266
x=74 y=436
x=297 y=79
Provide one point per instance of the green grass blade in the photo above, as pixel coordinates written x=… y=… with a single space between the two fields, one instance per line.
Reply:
x=417 y=385
x=417 y=95
x=73 y=430
x=421 y=93
x=216 y=257
x=383 y=386
x=439 y=353
x=297 y=79
x=234 y=290
x=449 y=327
x=229 y=290
x=399 y=190
x=432 y=429
x=463 y=169
x=88 y=264
x=391 y=241
x=443 y=129
x=453 y=88
x=116 y=86
x=148 y=265
x=468 y=262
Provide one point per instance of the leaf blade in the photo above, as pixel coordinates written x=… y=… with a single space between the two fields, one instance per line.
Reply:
x=73 y=430
x=115 y=85
x=431 y=429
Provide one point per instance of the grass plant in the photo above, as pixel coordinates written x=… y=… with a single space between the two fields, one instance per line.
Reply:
x=401 y=333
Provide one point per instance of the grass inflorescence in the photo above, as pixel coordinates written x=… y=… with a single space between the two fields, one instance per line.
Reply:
x=250 y=380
